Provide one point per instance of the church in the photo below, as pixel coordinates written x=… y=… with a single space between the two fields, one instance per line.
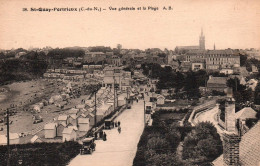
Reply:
x=200 y=47
x=198 y=58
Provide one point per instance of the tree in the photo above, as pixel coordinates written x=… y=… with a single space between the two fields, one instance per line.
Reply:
x=257 y=94
x=202 y=143
x=243 y=59
x=190 y=86
x=241 y=93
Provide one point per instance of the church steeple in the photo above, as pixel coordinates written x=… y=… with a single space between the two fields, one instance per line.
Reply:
x=202 y=40
x=214 y=46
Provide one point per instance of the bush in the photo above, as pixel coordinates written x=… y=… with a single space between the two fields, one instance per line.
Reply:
x=41 y=153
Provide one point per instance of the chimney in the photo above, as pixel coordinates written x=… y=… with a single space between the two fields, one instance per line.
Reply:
x=230 y=121
x=231 y=149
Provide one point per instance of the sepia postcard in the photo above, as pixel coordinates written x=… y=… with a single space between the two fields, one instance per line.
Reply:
x=130 y=82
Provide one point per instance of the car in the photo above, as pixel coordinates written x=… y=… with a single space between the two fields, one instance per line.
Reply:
x=88 y=146
x=109 y=124
x=37 y=121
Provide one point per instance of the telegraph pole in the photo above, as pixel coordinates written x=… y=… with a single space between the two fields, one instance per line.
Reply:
x=95 y=108
x=114 y=93
x=144 y=114
x=127 y=97
x=8 y=140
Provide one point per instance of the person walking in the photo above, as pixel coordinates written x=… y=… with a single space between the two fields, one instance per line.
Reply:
x=104 y=137
x=101 y=134
x=119 y=129
x=118 y=123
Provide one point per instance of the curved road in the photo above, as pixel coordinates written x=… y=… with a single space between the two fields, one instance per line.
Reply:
x=119 y=149
x=210 y=116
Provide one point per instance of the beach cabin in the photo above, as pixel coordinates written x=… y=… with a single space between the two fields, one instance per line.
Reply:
x=80 y=106
x=73 y=111
x=72 y=118
x=121 y=100
x=60 y=129
x=69 y=134
x=99 y=115
x=14 y=138
x=73 y=127
x=3 y=140
x=91 y=118
x=36 y=139
x=83 y=124
x=50 y=130
x=63 y=119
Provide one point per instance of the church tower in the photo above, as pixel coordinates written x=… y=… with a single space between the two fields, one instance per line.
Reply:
x=202 y=40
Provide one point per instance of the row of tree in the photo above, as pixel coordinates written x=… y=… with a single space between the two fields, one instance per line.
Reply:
x=31 y=66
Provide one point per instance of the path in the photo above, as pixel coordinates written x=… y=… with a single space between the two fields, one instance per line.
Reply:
x=119 y=149
x=210 y=116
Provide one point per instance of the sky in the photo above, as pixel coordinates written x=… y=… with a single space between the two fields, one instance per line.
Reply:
x=228 y=24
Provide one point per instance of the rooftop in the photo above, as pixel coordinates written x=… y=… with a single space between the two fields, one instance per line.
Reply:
x=68 y=130
x=246 y=113
x=50 y=126
x=217 y=80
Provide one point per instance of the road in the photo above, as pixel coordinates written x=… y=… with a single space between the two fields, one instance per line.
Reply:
x=209 y=115
x=119 y=149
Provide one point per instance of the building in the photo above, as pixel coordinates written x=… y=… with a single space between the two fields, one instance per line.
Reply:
x=202 y=41
x=244 y=151
x=83 y=124
x=50 y=130
x=214 y=59
x=197 y=65
x=115 y=60
x=112 y=76
x=69 y=134
x=217 y=83
x=94 y=57
x=227 y=71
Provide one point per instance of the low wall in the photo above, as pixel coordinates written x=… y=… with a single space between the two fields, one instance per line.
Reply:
x=200 y=108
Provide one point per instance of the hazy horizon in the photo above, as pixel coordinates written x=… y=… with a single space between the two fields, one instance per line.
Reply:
x=229 y=24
